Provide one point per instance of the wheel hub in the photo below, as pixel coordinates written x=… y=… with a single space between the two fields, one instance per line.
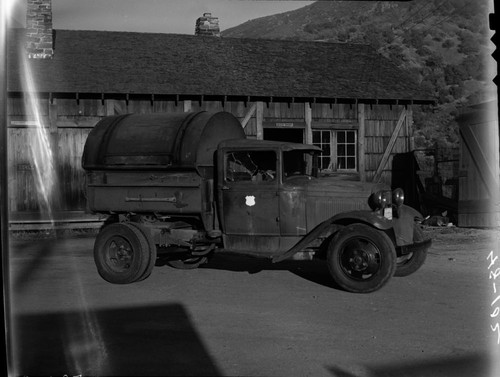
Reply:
x=120 y=254
x=362 y=258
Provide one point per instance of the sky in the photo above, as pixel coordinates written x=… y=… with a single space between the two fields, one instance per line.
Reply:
x=155 y=16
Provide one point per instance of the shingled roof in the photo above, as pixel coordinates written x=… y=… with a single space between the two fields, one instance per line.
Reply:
x=174 y=64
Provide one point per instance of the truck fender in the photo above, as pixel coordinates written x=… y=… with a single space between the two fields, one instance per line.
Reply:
x=367 y=217
x=308 y=238
x=403 y=224
x=344 y=218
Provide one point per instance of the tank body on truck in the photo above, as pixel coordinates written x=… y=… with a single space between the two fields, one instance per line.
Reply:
x=184 y=186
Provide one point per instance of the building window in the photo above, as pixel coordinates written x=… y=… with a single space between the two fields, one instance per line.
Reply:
x=339 y=150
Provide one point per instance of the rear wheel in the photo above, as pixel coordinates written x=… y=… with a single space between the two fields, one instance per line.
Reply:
x=151 y=250
x=122 y=253
x=361 y=259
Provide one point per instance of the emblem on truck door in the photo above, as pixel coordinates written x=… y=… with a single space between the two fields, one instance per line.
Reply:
x=250 y=200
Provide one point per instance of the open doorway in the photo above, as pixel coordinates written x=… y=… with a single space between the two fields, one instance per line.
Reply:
x=291 y=135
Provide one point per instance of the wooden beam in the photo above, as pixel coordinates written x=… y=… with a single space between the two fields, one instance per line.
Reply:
x=361 y=142
x=390 y=146
x=259 y=117
x=248 y=115
x=480 y=160
x=308 y=121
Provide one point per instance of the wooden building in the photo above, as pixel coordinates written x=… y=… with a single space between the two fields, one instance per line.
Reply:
x=353 y=103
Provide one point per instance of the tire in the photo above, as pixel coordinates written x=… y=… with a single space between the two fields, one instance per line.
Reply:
x=408 y=264
x=152 y=250
x=189 y=263
x=121 y=253
x=361 y=259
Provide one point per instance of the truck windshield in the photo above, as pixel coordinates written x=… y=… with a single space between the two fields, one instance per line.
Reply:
x=300 y=162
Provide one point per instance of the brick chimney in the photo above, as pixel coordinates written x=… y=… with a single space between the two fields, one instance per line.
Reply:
x=207 y=25
x=39 y=36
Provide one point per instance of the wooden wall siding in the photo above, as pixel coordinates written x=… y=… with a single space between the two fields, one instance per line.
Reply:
x=70 y=174
x=284 y=110
x=22 y=187
x=378 y=132
x=333 y=112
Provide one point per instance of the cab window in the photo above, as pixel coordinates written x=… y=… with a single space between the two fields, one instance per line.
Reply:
x=250 y=166
x=299 y=163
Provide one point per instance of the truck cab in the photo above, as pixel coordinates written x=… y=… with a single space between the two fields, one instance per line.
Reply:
x=270 y=194
x=185 y=186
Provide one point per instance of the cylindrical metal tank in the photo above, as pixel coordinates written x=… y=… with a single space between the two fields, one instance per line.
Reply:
x=158 y=141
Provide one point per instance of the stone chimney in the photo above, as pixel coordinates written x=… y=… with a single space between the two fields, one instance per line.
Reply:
x=207 y=25
x=39 y=35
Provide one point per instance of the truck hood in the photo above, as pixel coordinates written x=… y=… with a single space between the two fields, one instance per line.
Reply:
x=327 y=196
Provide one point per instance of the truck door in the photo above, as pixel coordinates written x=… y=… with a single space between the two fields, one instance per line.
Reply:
x=249 y=194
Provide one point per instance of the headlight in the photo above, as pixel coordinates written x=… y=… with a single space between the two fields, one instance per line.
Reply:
x=398 y=197
x=379 y=199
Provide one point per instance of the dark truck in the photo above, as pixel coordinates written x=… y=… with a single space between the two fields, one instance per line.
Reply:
x=185 y=186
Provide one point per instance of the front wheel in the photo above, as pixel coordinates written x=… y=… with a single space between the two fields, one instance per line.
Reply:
x=411 y=262
x=361 y=259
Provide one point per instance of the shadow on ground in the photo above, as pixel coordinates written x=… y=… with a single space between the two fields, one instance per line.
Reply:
x=147 y=341
x=314 y=270
x=476 y=365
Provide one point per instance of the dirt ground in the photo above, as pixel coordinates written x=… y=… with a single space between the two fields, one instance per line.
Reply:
x=242 y=316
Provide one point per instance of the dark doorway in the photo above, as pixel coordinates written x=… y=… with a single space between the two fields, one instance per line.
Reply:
x=291 y=135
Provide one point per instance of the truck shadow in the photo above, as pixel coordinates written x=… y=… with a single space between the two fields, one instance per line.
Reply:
x=135 y=341
x=315 y=271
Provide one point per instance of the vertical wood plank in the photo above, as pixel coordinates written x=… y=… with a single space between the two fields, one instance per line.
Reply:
x=361 y=142
x=259 y=117
x=308 y=121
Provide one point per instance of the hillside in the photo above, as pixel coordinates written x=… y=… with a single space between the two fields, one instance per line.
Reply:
x=443 y=43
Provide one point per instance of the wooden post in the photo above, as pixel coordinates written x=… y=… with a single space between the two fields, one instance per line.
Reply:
x=361 y=142
x=409 y=129
x=390 y=146
x=54 y=146
x=259 y=117
x=53 y=116
x=308 y=122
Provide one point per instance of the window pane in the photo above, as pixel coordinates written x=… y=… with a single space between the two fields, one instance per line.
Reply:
x=325 y=161
x=341 y=163
x=350 y=137
x=341 y=136
x=316 y=137
x=340 y=150
x=351 y=150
